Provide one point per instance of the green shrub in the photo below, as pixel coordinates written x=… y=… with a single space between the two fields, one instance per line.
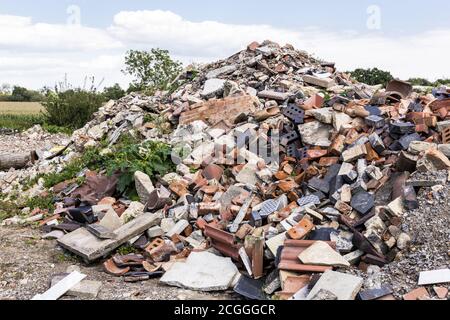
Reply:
x=113 y=93
x=71 y=108
x=427 y=83
x=372 y=77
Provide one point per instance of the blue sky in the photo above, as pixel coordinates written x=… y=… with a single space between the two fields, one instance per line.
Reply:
x=400 y=16
x=36 y=45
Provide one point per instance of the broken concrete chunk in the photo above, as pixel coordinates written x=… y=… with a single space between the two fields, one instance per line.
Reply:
x=315 y=133
x=275 y=242
x=213 y=88
x=343 y=286
x=111 y=220
x=320 y=82
x=396 y=207
x=202 y=271
x=155 y=232
x=324 y=295
x=89 y=247
x=340 y=120
x=324 y=115
x=354 y=257
x=433 y=160
x=403 y=241
x=321 y=254
x=144 y=186
x=417 y=147
x=217 y=73
x=134 y=209
x=86 y=289
x=354 y=153
x=273 y=95
x=178 y=228
x=347 y=172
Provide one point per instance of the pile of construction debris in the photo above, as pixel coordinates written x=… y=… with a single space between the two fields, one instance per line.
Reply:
x=292 y=182
x=17 y=150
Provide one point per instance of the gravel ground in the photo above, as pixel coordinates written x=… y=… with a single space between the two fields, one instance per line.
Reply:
x=429 y=228
x=33 y=139
x=27 y=264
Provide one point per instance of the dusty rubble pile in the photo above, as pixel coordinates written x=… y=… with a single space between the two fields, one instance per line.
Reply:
x=34 y=144
x=292 y=181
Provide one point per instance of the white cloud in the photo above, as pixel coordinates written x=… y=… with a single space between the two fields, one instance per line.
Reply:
x=38 y=54
x=21 y=33
x=421 y=55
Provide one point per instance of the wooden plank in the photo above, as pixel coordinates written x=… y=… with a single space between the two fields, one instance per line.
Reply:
x=90 y=248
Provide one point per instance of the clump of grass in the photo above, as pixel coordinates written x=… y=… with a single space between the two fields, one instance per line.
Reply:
x=126 y=249
x=20 y=122
x=63 y=257
x=8 y=210
x=42 y=202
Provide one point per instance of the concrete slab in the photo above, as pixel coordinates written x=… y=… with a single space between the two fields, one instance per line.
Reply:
x=202 y=271
x=90 y=248
x=321 y=254
x=343 y=286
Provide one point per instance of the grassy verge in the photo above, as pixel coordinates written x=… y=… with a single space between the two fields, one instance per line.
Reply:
x=22 y=122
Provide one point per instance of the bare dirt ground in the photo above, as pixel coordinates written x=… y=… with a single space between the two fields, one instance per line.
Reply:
x=28 y=263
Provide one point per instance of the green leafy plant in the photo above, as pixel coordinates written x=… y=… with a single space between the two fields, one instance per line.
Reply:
x=150 y=157
x=41 y=202
x=152 y=70
x=126 y=249
x=159 y=121
x=127 y=157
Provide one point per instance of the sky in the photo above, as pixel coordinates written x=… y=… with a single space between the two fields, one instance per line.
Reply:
x=42 y=41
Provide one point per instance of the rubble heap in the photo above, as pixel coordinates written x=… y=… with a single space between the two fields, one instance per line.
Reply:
x=292 y=181
x=34 y=140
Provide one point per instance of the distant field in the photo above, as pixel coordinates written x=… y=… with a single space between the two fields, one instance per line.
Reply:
x=20 y=108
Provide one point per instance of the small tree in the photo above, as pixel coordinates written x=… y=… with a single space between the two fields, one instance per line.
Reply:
x=20 y=94
x=113 y=93
x=152 y=70
x=5 y=89
x=372 y=77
